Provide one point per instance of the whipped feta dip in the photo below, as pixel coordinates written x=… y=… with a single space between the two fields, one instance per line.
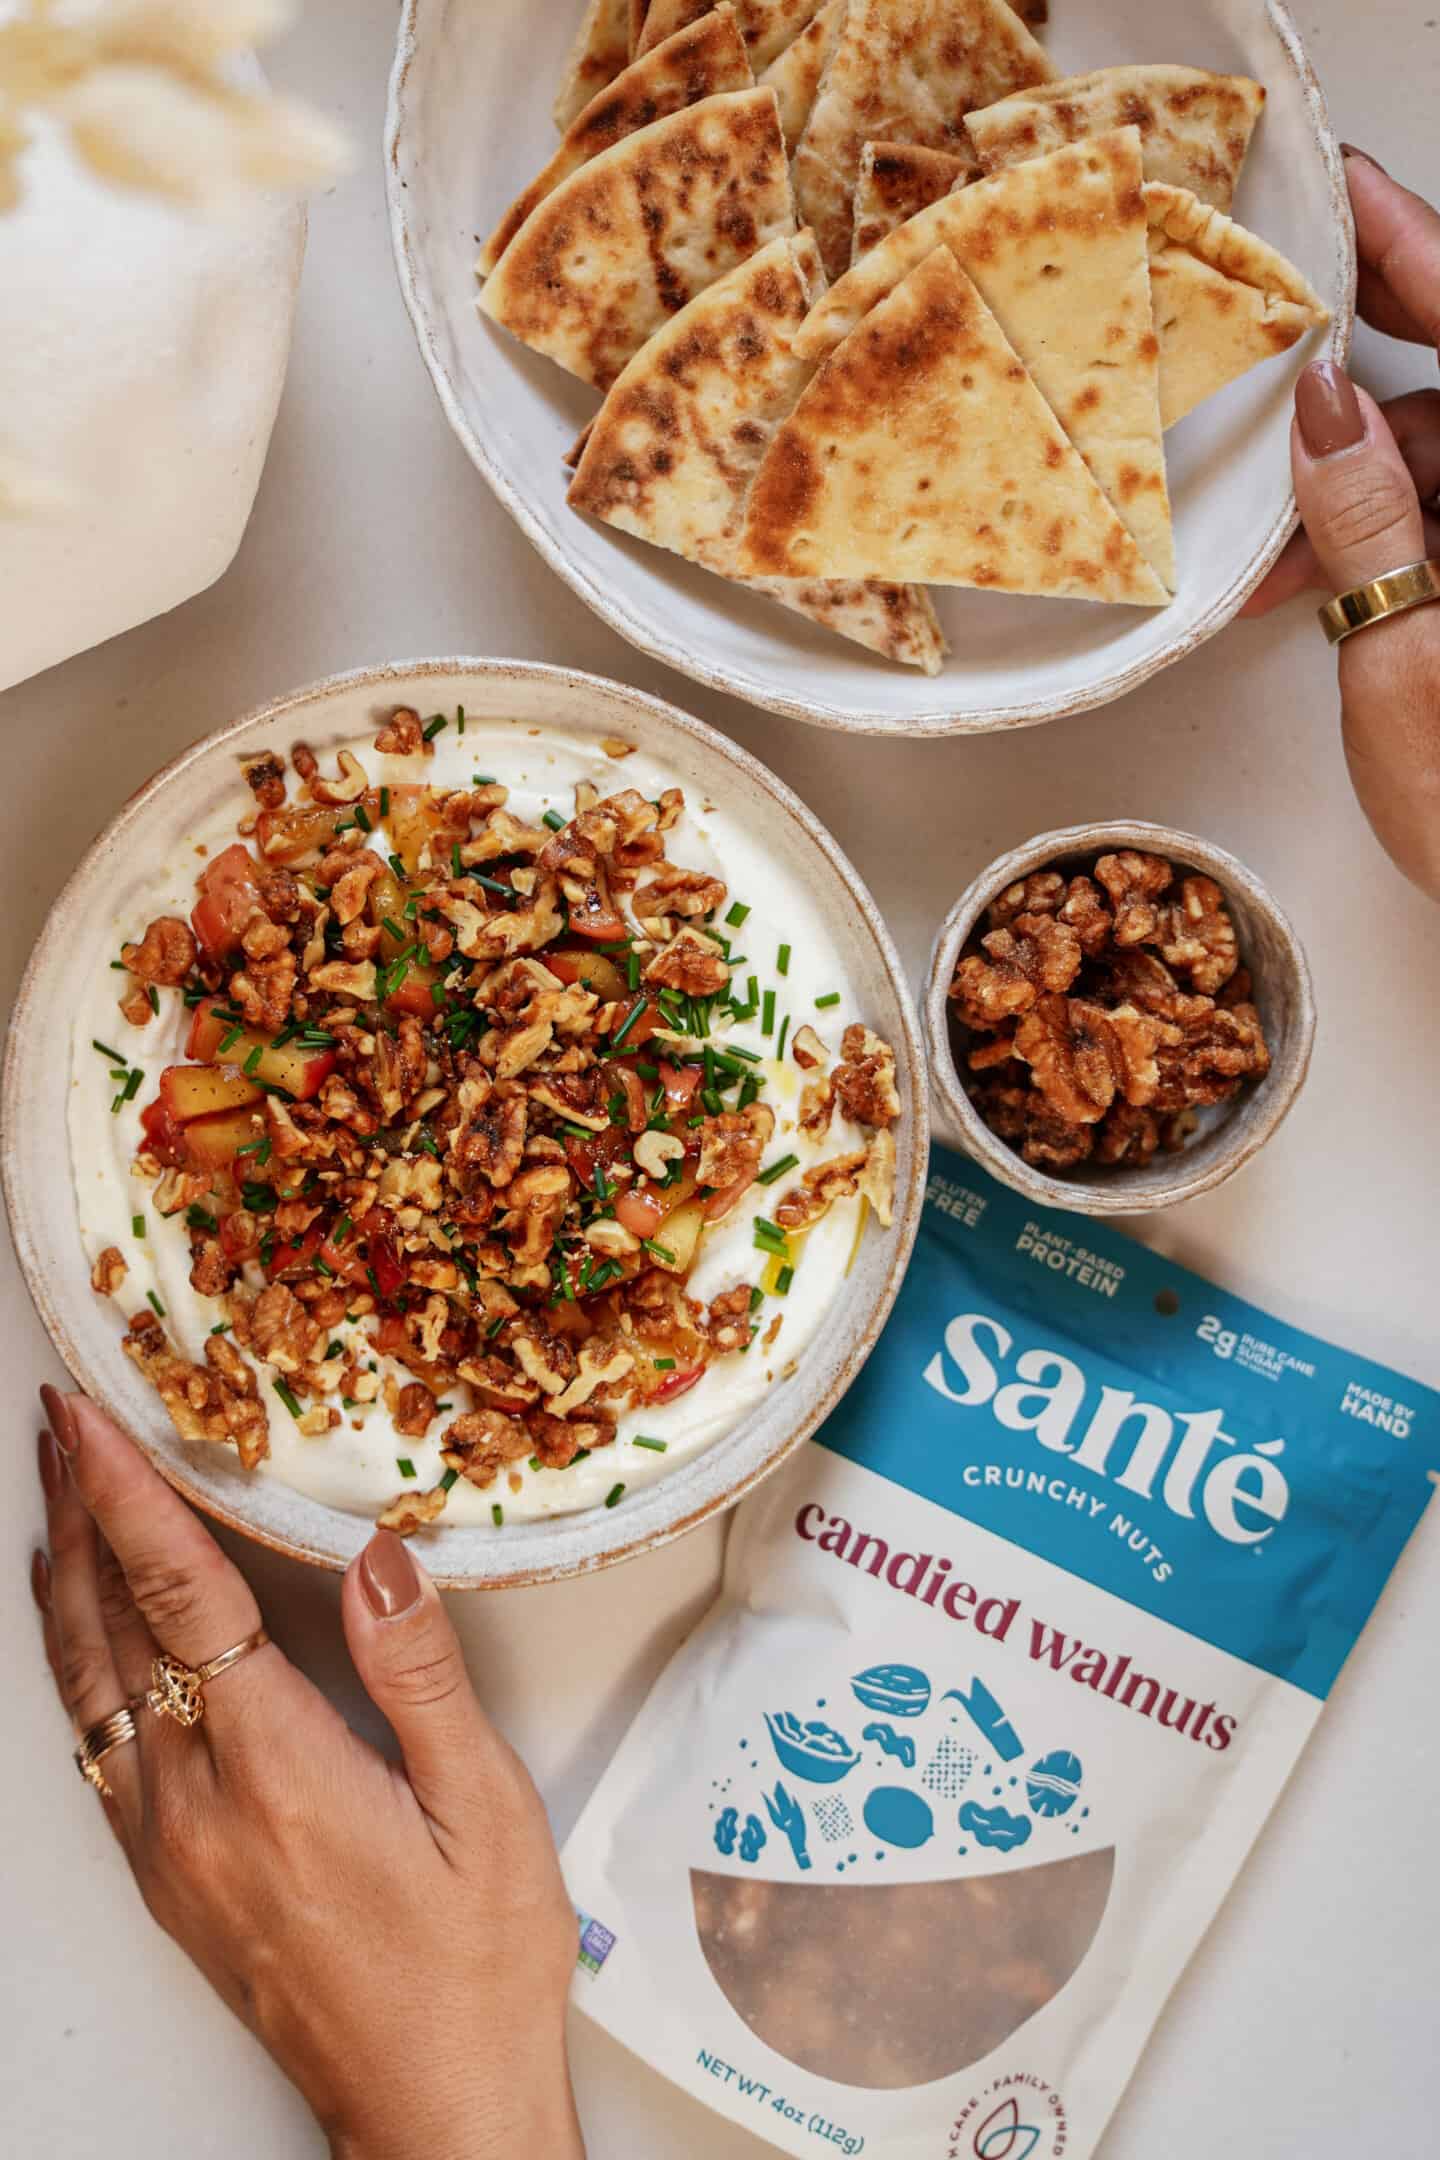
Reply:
x=782 y=942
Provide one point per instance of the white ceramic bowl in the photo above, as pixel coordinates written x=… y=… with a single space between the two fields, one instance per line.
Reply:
x=469 y=125
x=79 y=939
x=1228 y=1136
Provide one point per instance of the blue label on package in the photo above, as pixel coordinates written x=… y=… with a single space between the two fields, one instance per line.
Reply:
x=1080 y=1395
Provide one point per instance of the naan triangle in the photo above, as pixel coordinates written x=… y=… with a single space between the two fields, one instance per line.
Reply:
x=1058 y=249
x=897 y=181
x=600 y=50
x=624 y=243
x=767 y=26
x=672 y=453
x=1224 y=299
x=796 y=75
x=704 y=60
x=903 y=71
x=922 y=449
x=1195 y=127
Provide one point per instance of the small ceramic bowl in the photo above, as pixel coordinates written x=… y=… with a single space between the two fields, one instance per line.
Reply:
x=1230 y=1134
x=80 y=938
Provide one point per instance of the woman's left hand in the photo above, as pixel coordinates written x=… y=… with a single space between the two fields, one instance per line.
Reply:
x=398 y=1938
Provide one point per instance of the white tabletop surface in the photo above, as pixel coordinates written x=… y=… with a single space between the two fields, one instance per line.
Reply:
x=1306 y=2025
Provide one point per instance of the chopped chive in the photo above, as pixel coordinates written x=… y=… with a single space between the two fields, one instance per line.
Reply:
x=362 y=818
x=553 y=819
x=221 y=1327
x=749 y=1092
x=459 y=719
x=137 y=1225
x=784 y=1031
x=494 y=1328
x=782 y=960
x=334 y=1349
x=778 y=1169
x=132 y=1086
x=455 y=863
x=156 y=1303
x=494 y=885
x=660 y=1252
x=198 y=1218
x=322 y=1267
x=398 y=869
x=342 y=1230
x=105 y=1051
x=615 y=1495
x=711 y=1099
x=404 y=1465
x=767 y=1014
x=658 y=1447
x=627 y=1023
x=736 y=915
x=384 y=802
x=664 y=1364
x=448 y=1480
x=497 y=1514
x=784 y=1279
x=433 y=727
x=442 y=1407
x=733 y=1050
x=757 y=1298
x=831 y=997
x=374 y=1281
x=483 y=779
x=229 y=1040
x=253 y=1059
x=154 y=996
x=535 y=1463
x=388 y=922
x=427 y=1141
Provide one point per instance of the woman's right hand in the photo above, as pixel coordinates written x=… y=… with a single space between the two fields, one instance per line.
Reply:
x=398 y=1938
x=1366 y=480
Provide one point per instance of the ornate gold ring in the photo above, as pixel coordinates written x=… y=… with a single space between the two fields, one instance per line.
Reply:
x=178 y=1690
x=99 y=1741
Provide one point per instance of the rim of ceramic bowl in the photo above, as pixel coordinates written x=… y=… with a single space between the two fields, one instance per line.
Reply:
x=50 y=1300
x=1118 y=1196
x=650 y=637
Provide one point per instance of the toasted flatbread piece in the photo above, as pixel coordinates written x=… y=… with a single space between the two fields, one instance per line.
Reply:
x=1224 y=299
x=903 y=71
x=626 y=241
x=1195 y=127
x=795 y=76
x=767 y=26
x=704 y=60
x=601 y=49
x=897 y=181
x=1058 y=249
x=673 y=450
x=922 y=449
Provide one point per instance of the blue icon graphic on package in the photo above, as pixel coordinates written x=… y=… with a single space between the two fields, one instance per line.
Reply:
x=899 y=1817
x=814 y=1750
x=890 y=1742
x=788 y=1817
x=989 y=1719
x=893 y=1690
x=1053 y=1784
x=995 y=1826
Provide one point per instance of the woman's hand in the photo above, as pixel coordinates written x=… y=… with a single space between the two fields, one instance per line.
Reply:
x=1366 y=480
x=400 y=1940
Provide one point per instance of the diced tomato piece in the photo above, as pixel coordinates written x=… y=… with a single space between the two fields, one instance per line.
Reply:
x=301 y=1072
x=596 y=970
x=299 y=833
x=295 y=1256
x=642 y=1027
x=597 y=917
x=163 y=1136
x=681 y=1084
x=384 y=1260
x=212 y=1143
x=229 y=896
x=416 y=994
x=610 y=1146
x=194 y=1091
x=641 y=1210
x=677 y=1383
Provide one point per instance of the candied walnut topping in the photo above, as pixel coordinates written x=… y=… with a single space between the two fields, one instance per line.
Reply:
x=109 y=1271
x=458 y=1103
x=1095 y=1031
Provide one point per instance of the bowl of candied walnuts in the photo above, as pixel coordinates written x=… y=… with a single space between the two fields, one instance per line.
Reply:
x=1120 y=1016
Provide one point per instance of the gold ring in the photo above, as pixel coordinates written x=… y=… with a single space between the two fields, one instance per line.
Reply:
x=1392 y=594
x=99 y=1741
x=178 y=1690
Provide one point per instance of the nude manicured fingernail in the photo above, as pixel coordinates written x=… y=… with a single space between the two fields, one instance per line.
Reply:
x=62 y=1420
x=1350 y=149
x=52 y=1468
x=1328 y=410
x=388 y=1577
x=40 y=1580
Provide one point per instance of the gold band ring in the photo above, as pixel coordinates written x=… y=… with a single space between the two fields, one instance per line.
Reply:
x=1392 y=594
x=178 y=1690
x=99 y=1741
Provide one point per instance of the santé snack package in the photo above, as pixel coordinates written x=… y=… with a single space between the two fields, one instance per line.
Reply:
x=915 y=1834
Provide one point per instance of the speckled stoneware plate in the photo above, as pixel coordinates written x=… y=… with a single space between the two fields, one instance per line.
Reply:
x=469 y=125
x=81 y=935
x=1228 y=1136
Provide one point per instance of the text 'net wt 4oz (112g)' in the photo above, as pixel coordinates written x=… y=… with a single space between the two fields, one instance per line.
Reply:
x=914 y=1836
